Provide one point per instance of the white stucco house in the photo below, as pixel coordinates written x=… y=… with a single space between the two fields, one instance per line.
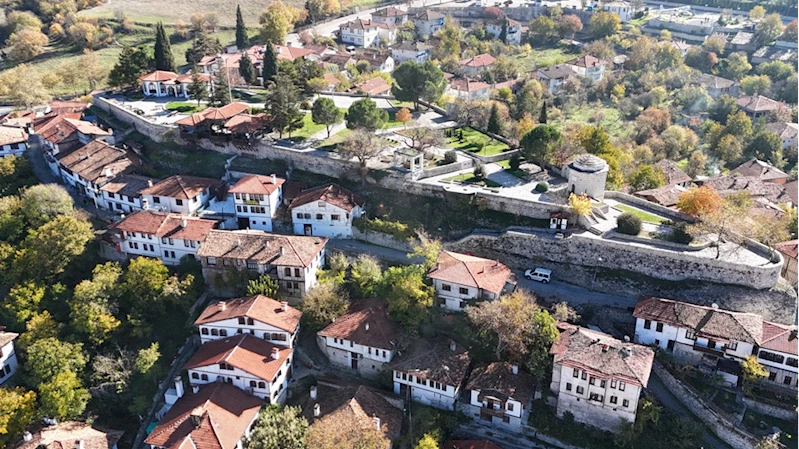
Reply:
x=431 y=373
x=367 y=33
x=500 y=395
x=787 y=132
x=160 y=235
x=261 y=316
x=597 y=378
x=590 y=67
x=427 y=23
x=390 y=16
x=459 y=278
x=162 y=83
x=257 y=198
x=468 y=89
x=61 y=134
x=554 y=76
x=327 y=211
x=13 y=141
x=364 y=340
x=92 y=166
x=621 y=8
x=472 y=67
x=411 y=51
x=122 y=193
x=291 y=260
x=249 y=363
x=179 y=194
x=8 y=357
x=708 y=336
x=513 y=35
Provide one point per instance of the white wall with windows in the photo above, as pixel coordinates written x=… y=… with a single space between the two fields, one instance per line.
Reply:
x=324 y=219
x=427 y=392
x=246 y=325
x=271 y=390
x=257 y=209
x=499 y=412
x=183 y=206
x=8 y=362
x=14 y=149
x=364 y=359
x=169 y=250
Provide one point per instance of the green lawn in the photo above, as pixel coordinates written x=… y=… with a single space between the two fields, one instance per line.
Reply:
x=595 y=114
x=469 y=178
x=643 y=215
x=402 y=104
x=519 y=173
x=543 y=57
x=332 y=142
x=308 y=129
x=185 y=107
x=392 y=120
x=470 y=138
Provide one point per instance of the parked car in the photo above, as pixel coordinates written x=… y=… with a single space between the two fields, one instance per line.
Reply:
x=539 y=274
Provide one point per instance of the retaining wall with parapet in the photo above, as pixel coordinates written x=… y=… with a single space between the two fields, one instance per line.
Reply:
x=644 y=204
x=158 y=132
x=449 y=168
x=725 y=429
x=771 y=410
x=383 y=239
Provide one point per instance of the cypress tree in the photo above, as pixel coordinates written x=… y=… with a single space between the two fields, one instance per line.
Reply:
x=494 y=122
x=270 y=63
x=543 y=117
x=247 y=70
x=163 y=50
x=503 y=34
x=241 y=31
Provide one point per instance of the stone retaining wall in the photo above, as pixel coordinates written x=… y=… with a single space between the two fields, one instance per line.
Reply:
x=444 y=169
x=156 y=131
x=383 y=239
x=644 y=204
x=726 y=430
x=656 y=242
x=771 y=410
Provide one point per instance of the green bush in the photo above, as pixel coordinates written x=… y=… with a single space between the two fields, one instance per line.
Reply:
x=450 y=157
x=515 y=161
x=628 y=223
x=542 y=187
x=679 y=234
x=400 y=231
x=480 y=171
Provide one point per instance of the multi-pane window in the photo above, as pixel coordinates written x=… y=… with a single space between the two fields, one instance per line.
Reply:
x=690 y=335
x=659 y=327
x=446 y=287
x=647 y=324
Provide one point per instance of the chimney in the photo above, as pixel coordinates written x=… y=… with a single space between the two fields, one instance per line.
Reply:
x=27 y=436
x=149 y=183
x=183 y=223
x=178 y=387
x=314 y=392
x=195 y=389
x=238 y=242
x=107 y=172
x=78 y=444
x=282 y=251
x=274 y=178
x=515 y=369
x=316 y=410
x=275 y=353
x=452 y=345
x=222 y=305
x=145 y=204
x=366 y=326
x=376 y=422
x=284 y=306
x=438 y=266
x=628 y=351
x=604 y=348
x=197 y=416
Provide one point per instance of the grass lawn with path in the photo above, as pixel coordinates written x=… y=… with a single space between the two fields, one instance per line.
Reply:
x=308 y=129
x=595 y=114
x=470 y=138
x=332 y=142
x=469 y=178
x=185 y=107
x=643 y=215
x=519 y=173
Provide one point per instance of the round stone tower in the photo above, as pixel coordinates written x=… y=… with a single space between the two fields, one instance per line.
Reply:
x=587 y=175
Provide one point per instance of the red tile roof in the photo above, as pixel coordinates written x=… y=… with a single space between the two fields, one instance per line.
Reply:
x=258 y=184
x=225 y=112
x=390 y=12
x=12 y=136
x=127 y=185
x=245 y=352
x=98 y=161
x=262 y=247
x=259 y=308
x=497 y=380
x=6 y=337
x=62 y=107
x=759 y=103
x=469 y=444
x=374 y=86
x=790 y=248
x=781 y=338
x=159 y=75
x=224 y=411
x=483 y=60
x=587 y=61
x=467 y=85
x=162 y=224
x=58 y=128
x=382 y=332
x=245 y=123
x=182 y=187
x=602 y=355
x=65 y=434
x=291 y=53
x=674 y=174
x=486 y=274
x=332 y=194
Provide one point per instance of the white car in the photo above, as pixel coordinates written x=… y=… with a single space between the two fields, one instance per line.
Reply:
x=539 y=274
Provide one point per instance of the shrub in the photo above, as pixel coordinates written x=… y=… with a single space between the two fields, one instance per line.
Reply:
x=628 y=223
x=480 y=171
x=515 y=161
x=400 y=231
x=542 y=187
x=305 y=105
x=679 y=234
x=450 y=157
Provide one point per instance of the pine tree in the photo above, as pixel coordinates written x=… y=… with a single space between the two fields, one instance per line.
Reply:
x=221 y=94
x=198 y=89
x=247 y=70
x=503 y=35
x=242 y=40
x=494 y=122
x=543 y=117
x=269 y=69
x=163 y=50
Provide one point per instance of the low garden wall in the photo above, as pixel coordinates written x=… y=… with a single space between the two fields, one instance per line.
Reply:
x=725 y=429
x=640 y=202
x=444 y=169
x=656 y=242
x=158 y=132
x=496 y=157
x=383 y=239
x=770 y=410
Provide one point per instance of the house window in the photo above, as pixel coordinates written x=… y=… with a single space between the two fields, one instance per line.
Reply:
x=580 y=390
x=771 y=357
x=215 y=332
x=446 y=287
x=596 y=397
x=614 y=400
x=262 y=385
x=787 y=380
x=223 y=332
x=287 y=272
x=732 y=345
x=307 y=216
x=320 y=204
x=625 y=403
x=602 y=383
x=510 y=406
x=791 y=362
x=242 y=320
x=613 y=383
x=296 y=272
x=335 y=217
x=506 y=419
x=689 y=334
x=576 y=373
x=163 y=240
x=584 y=375
x=204 y=377
x=253 y=383
x=622 y=386
x=238 y=196
x=659 y=327
x=210 y=261
x=568 y=387
x=252 y=265
x=592 y=381
x=195 y=376
x=320 y=216
x=204 y=331
x=250 y=322
x=647 y=324
x=299 y=216
x=463 y=291
x=157 y=199
x=179 y=202
x=772 y=376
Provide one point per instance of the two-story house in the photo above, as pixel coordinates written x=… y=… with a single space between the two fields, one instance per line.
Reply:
x=179 y=194
x=597 y=378
x=266 y=318
x=554 y=76
x=427 y=23
x=327 y=211
x=513 y=29
x=590 y=67
x=431 y=373
x=458 y=278
x=367 y=33
x=289 y=259
x=390 y=16
x=92 y=166
x=716 y=86
x=8 y=357
x=500 y=395
x=787 y=132
x=621 y=8
x=214 y=416
x=468 y=89
x=709 y=335
x=60 y=134
x=762 y=170
x=364 y=340
x=249 y=363
x=257 y=199
x=418 y=52
x=168 y=237
x=757 y=106
x=121 y=194
x=474 y=66
x=70 y=434
x=13 y=141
